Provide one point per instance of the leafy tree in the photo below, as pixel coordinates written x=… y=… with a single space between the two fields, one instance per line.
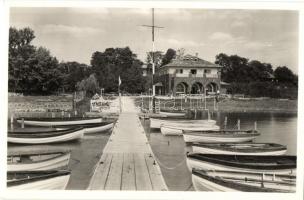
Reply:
x=73 y=72
x=112 y=63
x=170 y=54
x=285 y=75
x=90 y=85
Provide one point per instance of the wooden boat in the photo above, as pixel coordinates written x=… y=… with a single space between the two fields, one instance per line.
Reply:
x=172 y=113
x=221 y=136
x=178 y=130
x=242 y=163
x=155 y=123
x=92 y=127
x=45 y=136
x=37 y=161
x=239 y=148
x=59 y=121
x=226 y=181
x=38 y=180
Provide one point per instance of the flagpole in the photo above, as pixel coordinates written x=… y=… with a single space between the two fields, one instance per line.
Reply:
x=119 y=95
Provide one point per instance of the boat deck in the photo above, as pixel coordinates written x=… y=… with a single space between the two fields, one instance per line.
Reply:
x=127 y=162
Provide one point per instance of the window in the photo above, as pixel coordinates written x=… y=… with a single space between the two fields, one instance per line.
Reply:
x=207 y=71
x=179 y=71
x=193 y=71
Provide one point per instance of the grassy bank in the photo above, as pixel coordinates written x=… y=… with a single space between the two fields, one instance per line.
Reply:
x=228 y=105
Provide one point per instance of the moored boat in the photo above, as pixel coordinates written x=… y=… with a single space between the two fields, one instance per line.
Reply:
x=221 y=136
x=38 y=180
x=243 y=163
x=92 y=127
x=45 y=136
x=155 y=123
x=178 y=129
x=59 y=121
x=172 y=113
x=226 y=181
x=239 y=148
x=37 y=161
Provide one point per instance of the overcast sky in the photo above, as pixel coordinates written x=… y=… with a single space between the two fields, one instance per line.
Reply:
x=73 y=34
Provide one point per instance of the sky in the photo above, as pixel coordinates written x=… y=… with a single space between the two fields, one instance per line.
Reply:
x=74 y=34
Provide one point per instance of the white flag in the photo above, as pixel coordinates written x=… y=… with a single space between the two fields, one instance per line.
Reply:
x=119 y=80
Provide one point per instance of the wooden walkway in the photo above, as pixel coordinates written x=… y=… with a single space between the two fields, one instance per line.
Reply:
x=127 y=162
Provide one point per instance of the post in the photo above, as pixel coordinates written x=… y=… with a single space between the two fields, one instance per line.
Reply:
x=12 y=121
x=75 y=113
x=62 y=113
x=69 y=115
x=181 y=103
x=239 y=124
x=195 y=114
x=225 y=122
x=214 y=108
x=22 y=123
x=205 y=100
x=53 y=115
x=255 y=125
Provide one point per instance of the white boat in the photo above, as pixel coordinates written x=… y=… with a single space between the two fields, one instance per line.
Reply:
x=227 y=181
x=243 y=163
x=92 y=127
x=221 y=136
x=38 y=161
x=155 y=123
x=179 y=129
x=59 y=121
x=49 y=137
x=172 y=114
x=38 y=180
x=239 y=148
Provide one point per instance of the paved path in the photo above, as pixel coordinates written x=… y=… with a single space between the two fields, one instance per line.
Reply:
x=127 y=162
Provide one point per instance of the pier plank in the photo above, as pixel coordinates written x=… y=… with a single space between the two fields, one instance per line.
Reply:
x=99 y=178
x=143 y=181
x=128 y=172
x=157 y=180
x=114 y=177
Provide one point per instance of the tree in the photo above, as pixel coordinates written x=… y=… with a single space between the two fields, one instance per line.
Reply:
x=285 y=75
x=90 y=85
x=112 y=63
x=170 y=54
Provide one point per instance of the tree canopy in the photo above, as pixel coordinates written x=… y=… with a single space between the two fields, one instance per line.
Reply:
x=115 y=62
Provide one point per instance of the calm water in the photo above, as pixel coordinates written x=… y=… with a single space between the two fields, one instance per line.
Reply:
x=85 y=153
x=170 y=150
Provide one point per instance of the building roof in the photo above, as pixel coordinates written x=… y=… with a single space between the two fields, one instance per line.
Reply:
x=191 y=61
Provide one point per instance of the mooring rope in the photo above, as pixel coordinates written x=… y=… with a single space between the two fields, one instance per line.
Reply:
x=166 y=167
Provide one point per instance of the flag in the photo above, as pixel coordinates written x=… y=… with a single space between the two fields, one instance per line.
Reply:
x=119 y=80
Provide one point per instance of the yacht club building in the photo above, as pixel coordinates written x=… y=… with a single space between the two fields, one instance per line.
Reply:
x=188 y=75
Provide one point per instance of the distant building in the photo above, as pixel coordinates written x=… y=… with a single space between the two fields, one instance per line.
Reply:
x=188 y=75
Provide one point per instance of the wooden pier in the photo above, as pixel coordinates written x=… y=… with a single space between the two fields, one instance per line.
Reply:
x=127 y=162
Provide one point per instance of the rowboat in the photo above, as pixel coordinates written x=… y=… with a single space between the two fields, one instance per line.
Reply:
x=242 y=163
x=221 y=136
x=155 y=123
x=226 y=181
x=173 y=113
x=59 y=121
x=45 y=136
x=38 y=180
x=37 y=161
x=178 y=130
x=92 y=127
x=239 y=148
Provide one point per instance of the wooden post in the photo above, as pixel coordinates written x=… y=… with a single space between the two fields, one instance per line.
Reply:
x=22 y=123
x=208 y=115
x=238 y=124
x=62 y=113
x=53 y=115
x=225 y=122
x=69 y=115
x=205 y=101
x=190 y=102
x=12 y=122
x=195 y=114
x=255 y=125
x=214 y=108
x=197 y=105
x=75 y=112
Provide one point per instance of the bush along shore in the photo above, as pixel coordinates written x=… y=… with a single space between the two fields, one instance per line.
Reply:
x=226 y=104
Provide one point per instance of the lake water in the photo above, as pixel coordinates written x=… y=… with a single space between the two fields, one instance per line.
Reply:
x=170 y=151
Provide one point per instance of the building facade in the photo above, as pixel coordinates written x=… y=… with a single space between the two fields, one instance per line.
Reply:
x=188 y=75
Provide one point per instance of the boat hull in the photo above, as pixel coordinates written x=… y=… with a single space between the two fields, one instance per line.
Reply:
x=211 y=165
x=56 y=162
x=173 y=114
x=156 y=123
x=51 y=139
x=97 y=129
x=209 y=138
x=232 y=182
x=207 y=150
x=171 y=130
x=55 y=182
x=59 y=122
